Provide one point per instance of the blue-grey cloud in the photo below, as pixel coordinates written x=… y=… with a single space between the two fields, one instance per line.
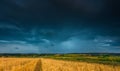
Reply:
x=59 y=26
x=17 y=47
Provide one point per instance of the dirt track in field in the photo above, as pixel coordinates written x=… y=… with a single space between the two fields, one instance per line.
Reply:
x=42 y=64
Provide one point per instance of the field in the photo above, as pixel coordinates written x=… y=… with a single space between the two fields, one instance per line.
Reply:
x=19 y=64
x=108 y=59
x=57 y=62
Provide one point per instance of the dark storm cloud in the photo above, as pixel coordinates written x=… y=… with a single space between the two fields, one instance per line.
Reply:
x=61 y=26
x=42 y=9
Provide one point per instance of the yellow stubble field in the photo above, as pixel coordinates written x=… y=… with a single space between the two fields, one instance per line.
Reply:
x=43 y=64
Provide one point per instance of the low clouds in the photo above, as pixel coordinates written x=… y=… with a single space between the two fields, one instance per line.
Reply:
x=86 y=45
x=17 y=47
x=79 y=42
x=68 y=39
x=7 y=25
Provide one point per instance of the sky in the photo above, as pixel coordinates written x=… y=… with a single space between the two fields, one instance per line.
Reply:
x=59 y=26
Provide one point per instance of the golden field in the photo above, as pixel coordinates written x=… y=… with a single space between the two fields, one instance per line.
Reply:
x=43 y=64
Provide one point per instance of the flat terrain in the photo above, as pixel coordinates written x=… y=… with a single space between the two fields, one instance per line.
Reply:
x=50 y=64
x=20 y=64
x=107 y=59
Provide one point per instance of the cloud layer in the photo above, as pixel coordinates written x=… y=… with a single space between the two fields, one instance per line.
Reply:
x=59 y=26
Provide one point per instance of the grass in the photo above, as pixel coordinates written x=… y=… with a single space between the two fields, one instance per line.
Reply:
x=102 y=59
x=60 y=65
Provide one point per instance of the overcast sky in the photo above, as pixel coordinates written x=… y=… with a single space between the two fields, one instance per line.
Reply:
x=59 y=26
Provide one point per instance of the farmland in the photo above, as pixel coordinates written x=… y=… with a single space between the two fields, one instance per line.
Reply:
x=58 y=62
x=19 y=64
